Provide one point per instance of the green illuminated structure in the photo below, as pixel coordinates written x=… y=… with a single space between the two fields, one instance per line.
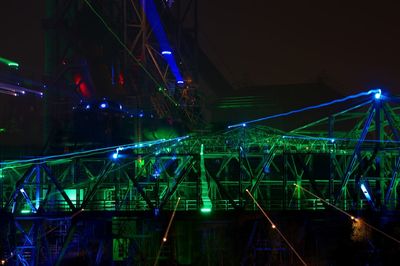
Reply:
x=210 y=174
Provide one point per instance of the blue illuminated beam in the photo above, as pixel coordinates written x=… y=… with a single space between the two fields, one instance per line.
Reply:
x=376 y=92
x=166 y=50
x=132 y=146
x=367 y=195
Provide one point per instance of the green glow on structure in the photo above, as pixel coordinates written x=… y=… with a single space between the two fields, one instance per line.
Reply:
x=140 y=162
x=25 y=211
x=205 y=210
x=207 y=204
x=9 y=62
x=71 y=193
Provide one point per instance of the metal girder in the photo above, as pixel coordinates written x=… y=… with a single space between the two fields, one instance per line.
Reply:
x=356 y=152
x=140 y=190
x=21 y=229
x=100 y=252
x=58 y=186
x=306 y=172
x=263 y=147
x=99 y=179
x=396 y=167
x=67 y=241
x=172 y=190
x=28 y=173
x=223 y=191
x=266 y=162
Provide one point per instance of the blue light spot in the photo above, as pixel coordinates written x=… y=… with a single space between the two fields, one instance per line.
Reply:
x=378 y=94
x=244 y=124
x=87 y=107
x=115 y=155
x=103 y=105
x=180 y=82
x=166 y=52
x=365 y=191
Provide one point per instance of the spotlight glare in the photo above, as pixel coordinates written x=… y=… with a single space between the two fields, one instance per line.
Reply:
x=378 y=94
x=273 y=226
x=164 y=239
x=115 y=155
x=166 y=52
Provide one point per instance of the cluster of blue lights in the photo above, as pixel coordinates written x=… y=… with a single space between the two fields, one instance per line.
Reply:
x=116 y=154
x=112 y=106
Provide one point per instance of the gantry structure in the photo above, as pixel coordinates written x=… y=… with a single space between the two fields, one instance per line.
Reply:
x=349 y=158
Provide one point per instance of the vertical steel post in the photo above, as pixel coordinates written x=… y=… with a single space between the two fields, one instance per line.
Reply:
x=38 y=188
x=331 y=123
x=393 y=181
x=379 y=198
x=285 y=178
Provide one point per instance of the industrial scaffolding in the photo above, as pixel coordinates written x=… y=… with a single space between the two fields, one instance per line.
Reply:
x=350 y=159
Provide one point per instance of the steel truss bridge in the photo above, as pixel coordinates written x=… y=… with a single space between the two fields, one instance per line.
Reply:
x=350 y=158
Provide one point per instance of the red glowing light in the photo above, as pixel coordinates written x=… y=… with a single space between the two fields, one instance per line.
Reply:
x=81 y=85
x=121 y=80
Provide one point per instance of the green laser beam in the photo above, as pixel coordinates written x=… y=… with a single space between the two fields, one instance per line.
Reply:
x=9 y=62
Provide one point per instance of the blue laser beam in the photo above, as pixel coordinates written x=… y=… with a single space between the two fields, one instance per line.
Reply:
x=92 y=151
x=155 y=22
x=375 y=92
x=333 y=140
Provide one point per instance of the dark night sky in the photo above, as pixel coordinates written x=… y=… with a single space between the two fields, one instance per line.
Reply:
x=22 y=38
x=354 y=44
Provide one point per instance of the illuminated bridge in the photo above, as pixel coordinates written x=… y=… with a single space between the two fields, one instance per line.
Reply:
x=48 y=201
